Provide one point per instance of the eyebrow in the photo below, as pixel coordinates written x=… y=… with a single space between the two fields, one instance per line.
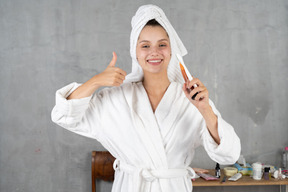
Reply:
x=145 y=41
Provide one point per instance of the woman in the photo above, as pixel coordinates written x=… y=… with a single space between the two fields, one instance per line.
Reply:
x=147 y=120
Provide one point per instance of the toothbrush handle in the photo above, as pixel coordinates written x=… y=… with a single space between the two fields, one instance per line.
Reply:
x=193 y=97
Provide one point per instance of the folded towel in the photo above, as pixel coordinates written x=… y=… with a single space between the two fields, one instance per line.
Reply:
x=139 y=20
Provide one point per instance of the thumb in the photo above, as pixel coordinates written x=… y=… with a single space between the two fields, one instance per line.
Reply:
x=113 y=61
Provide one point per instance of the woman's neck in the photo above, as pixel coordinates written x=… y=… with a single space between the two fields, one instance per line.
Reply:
x=155 y=85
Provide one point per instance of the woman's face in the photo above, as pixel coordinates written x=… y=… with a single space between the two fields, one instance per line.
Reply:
x=153 y=50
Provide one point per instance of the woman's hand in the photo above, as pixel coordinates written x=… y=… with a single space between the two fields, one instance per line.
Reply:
x=201 y=101
x=111 y=76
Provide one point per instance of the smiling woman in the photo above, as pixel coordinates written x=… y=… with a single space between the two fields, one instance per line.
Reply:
x=144 y=119
x=153 y=50
x=153 y=54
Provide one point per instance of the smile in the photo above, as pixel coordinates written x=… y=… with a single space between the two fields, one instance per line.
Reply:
x=154 y=61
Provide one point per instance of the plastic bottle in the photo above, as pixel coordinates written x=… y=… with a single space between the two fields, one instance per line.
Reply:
x=266 y=173
x=285 y=158
x=217 y=170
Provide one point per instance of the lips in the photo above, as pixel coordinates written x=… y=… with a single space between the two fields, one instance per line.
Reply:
x=154 y=61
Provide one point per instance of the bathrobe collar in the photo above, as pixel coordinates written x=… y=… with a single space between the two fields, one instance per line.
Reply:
x=147 y=122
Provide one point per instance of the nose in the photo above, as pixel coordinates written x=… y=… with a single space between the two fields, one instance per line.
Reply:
x=154 y=51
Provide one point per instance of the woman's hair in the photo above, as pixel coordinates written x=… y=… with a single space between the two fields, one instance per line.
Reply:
x=153 y=23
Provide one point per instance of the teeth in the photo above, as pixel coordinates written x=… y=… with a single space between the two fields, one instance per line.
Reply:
x=154 y=61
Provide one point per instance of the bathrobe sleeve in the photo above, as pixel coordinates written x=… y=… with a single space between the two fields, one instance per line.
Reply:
x=78 y=115
x=228 y=151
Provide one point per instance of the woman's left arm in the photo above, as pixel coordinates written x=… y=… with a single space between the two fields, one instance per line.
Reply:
x=218 y=137
x=201 y=102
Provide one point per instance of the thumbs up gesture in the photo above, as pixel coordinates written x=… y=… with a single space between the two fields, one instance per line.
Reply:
x=112 y=76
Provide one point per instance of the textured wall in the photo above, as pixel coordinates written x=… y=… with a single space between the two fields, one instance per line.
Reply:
x=238 y=48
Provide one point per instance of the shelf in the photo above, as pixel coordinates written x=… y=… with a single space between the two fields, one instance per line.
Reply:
x=243 y=181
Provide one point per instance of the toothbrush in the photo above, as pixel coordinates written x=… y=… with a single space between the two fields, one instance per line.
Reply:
x=186 y=79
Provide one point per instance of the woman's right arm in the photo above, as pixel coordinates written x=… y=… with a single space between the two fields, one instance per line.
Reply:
x=111 y=76
x=74 y=109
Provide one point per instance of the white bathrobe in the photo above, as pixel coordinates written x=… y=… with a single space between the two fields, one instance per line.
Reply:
x=153 y=150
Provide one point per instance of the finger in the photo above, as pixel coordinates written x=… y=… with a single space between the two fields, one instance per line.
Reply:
x=201 y=95
x=187 y=93
x=115 y=81
x=120 y=76
x=118 y=82
x=185 y=90
x=121 y=71
x=197 y=90
x=113 y=61
x=194 y=81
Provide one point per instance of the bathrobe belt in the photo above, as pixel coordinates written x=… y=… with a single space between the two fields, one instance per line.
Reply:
x=149 y=175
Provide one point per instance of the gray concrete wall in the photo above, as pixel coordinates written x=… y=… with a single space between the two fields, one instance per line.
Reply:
x=238 y=48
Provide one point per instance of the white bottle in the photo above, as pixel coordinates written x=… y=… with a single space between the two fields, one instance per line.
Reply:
x=285 y=158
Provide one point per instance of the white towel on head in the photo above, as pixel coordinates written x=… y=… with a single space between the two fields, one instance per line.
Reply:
x=139 y=20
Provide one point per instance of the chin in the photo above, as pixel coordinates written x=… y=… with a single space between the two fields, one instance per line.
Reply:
x=155 y=71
